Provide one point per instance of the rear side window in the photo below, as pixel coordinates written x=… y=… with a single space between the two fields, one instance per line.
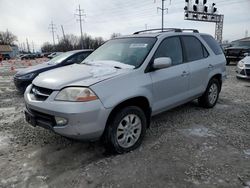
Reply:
x=170 y=47
x=213 y=44
x=194 y=48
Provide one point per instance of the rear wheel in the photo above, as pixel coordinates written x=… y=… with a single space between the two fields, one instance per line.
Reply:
x=211 y=95
x=126 y=130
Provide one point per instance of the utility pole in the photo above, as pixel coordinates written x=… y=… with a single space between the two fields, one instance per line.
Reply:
x=52 y=28
x=33 y=47
x=58 y=38
x=28 y=47
x=81 y=15
x=63 y=33
x=163 y=9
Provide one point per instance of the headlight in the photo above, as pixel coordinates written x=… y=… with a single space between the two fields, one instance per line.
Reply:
x=77 y=94
x=27 y=76
x=241 y=64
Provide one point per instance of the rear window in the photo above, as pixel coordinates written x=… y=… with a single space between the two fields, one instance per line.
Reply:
x=213 y=44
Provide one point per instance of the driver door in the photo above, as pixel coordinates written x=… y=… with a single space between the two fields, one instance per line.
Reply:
x=170 y=85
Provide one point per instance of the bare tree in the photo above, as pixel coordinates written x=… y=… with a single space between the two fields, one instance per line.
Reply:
x=114 y=35
x=7 y=38
x=72 y=42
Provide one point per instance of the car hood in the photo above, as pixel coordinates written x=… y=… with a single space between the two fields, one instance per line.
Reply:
x=246 y=60
x=79 y=75
x=35 y=68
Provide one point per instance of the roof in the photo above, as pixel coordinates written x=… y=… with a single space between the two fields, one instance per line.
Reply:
x=5 y=48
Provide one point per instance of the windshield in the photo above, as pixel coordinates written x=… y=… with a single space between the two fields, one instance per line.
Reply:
x=60 y=58
x=241 y=43
x=130 y=51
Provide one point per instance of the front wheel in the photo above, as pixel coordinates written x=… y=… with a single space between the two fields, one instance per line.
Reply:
x=211 y=95
x=126 y=130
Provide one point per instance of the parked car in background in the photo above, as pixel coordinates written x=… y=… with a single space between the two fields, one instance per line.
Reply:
x=5 y=56
x=237 y=50
x=25 y=76
x=28 y=56
x=54 y=54
x=243 y=67
x=114 y=92
x=46 y=54
x=38 y=55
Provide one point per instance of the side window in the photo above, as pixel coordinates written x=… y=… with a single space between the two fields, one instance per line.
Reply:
x=170 y=47
x=213 y=44
x=194 y=48
x=80 y=57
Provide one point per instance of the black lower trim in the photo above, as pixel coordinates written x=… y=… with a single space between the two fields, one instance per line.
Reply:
x=40 y=119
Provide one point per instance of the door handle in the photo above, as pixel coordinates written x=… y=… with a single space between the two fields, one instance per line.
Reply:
x=210 y=66
x=184 y=73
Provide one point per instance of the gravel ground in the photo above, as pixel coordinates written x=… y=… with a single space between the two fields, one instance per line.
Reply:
x=185 y=147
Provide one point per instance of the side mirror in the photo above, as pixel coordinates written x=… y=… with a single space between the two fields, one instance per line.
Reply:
x=246 y=54
x=162 y=62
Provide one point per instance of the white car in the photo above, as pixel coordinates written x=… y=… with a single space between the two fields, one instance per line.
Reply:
x=243 y=68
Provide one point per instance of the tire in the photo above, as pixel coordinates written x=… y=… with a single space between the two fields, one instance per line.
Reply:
x=211 y=95
x=130 y=137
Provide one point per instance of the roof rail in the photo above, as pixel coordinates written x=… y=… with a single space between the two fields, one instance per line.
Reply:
x=160 y=30
x=166 y=30
x=194 y=30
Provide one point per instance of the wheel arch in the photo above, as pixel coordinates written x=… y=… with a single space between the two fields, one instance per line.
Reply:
x=139 y=101
x=217 y=77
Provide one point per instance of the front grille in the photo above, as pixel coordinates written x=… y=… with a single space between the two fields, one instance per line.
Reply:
x=247 y=65
x=40 y=93
x=248 y=72
x=43 y=119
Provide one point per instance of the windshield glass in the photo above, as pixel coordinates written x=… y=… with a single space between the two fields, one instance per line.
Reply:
x=242 y=43
x=60 y=58
x=130 y=51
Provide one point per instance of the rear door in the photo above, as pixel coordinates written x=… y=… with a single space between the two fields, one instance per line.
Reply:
x=196 y=56
x=170 y=85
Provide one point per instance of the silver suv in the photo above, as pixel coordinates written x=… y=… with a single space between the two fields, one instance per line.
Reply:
x=113 y=93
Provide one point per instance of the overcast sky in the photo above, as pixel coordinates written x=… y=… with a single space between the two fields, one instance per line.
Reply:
x=31 y=18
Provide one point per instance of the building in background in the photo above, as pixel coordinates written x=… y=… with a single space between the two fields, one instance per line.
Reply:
x=12 y=51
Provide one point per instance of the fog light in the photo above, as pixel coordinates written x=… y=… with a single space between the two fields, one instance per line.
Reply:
x=61 y=121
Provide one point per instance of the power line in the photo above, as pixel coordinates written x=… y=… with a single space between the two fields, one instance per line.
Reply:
x=53 y=30
x=81 y=15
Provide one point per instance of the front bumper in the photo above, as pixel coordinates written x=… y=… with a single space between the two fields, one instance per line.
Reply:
x=85 y=120
x=243 y=73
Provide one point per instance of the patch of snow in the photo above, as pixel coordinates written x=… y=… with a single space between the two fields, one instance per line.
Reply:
x=198 y=131
x=102 y=71
x=110 y=64
x=4 y=140
x=247 y=151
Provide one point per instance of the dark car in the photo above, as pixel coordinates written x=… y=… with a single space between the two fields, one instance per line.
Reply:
x=6 y=56
x=25 y=76
x=28 y=56
x=237 y=50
